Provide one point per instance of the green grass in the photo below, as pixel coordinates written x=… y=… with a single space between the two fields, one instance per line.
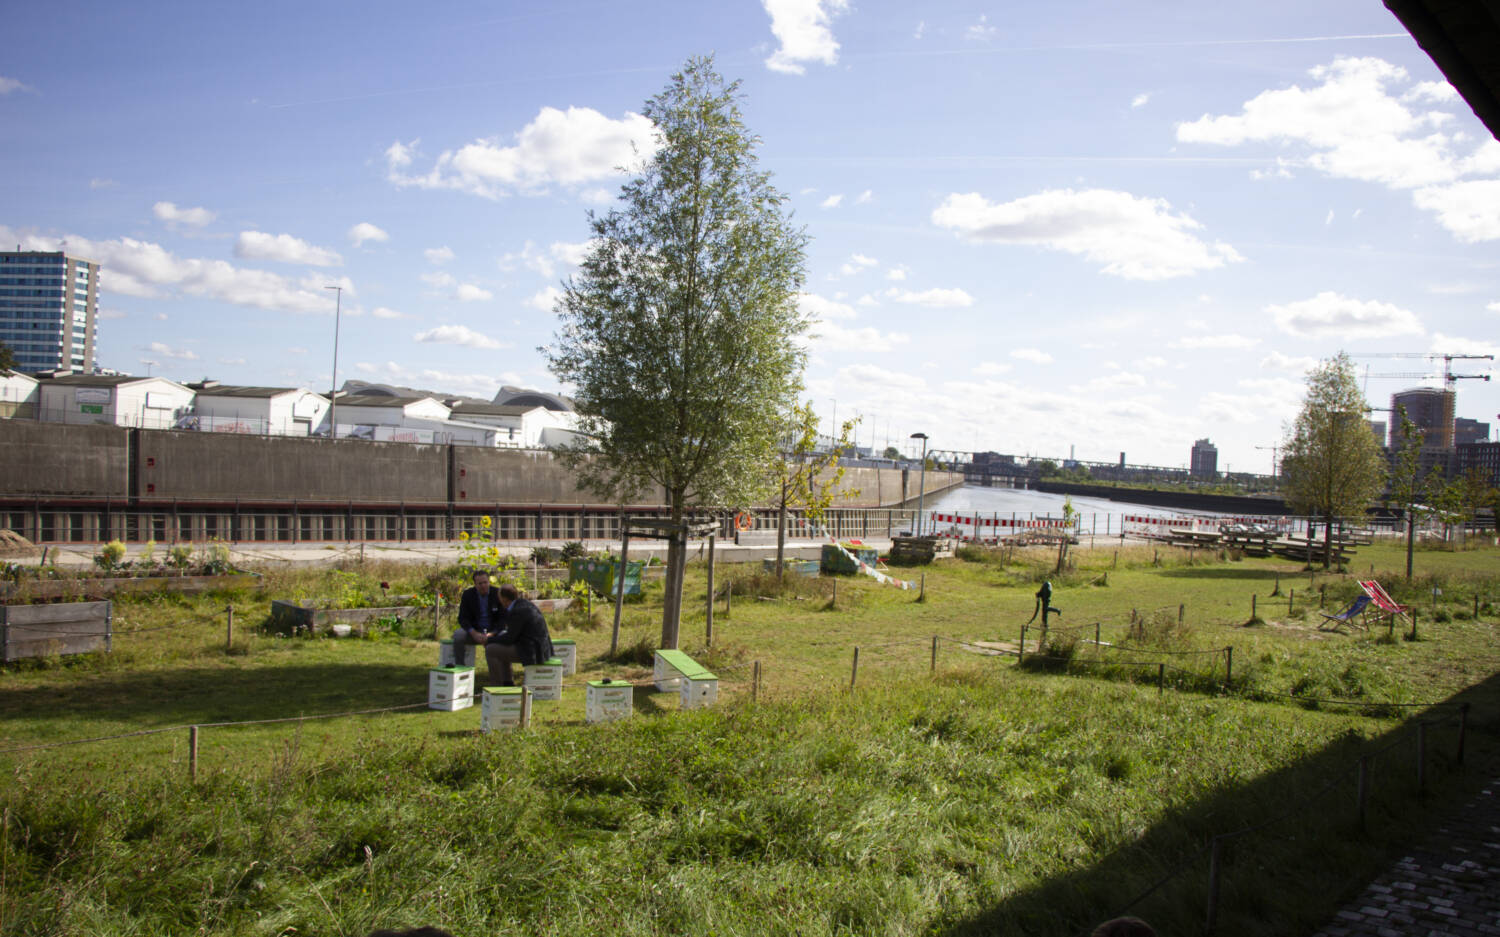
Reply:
x=984 y=798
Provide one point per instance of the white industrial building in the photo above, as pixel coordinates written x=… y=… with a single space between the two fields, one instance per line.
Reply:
x=121 y=400
x=525 y=426
x=273 y=411
x=18 y=396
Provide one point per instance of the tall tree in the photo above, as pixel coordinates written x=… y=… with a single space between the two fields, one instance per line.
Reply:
x=7 y=360
x=1332 y=466
x=806 y=476
x=679 y=334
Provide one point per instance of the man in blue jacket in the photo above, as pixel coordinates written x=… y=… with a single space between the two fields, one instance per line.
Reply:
x=479 y=617
x=523 y=637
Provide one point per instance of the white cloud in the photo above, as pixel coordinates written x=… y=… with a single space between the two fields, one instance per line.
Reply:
x=1454 y=345
x=457 y=335
x=981 y=31
x=1331 y=314
x=545 y=300
x=233 y=361
x=1119 y=380
x=832 y=201
x=438 y=255
x=1135 y=238
x=438 y=279
x=1140 y=99
x=7 y=85
x=867 y=299
x=257 y=245
x=160 y=317
x=1276 y=361
x=1034 y=355
x=1219 y=407
x=99 y=182
x=172 y=215
x=802 y=29
x=144 y=269
x=833 y=336
x=383 y=312
x=469 y=293
x=856 y=263
x=936 y=298
x=364 y=231
x=545 y=262
x=1493 y=307
x=991 y=369
x=1225 y=341
x=296 y=350
x=1438 y=92
x=897 y=274
x=816 y=307
x=1469 y=210
x=1151 y=362
x=111 y=314
x=1328 y=220
x=569 y=148
x=865 y=197
x=476 y=385
x=177 y=354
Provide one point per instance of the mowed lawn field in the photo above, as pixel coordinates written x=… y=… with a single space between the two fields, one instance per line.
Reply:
x=971 y=796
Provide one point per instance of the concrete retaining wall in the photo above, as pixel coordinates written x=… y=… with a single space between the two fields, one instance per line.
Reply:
x=52 y=460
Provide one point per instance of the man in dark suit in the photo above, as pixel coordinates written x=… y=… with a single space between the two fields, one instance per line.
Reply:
x=524 y=637
x=479 y=618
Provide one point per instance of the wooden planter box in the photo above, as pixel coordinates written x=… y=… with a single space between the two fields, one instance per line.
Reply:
x=288 y=617
x=54 y=629
x=37 y=589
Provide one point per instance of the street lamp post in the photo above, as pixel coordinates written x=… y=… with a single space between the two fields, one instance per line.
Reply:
x=333 y=394
x=922 y=484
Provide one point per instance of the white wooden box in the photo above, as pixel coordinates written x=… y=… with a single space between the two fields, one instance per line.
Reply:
x=500 y=708
x=699 y=690
x=445 y=653
x=608 y=700
x=450 y=688
x=566 y=650
x=545 y=679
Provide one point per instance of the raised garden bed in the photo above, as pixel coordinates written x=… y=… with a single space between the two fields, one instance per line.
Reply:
x=291 y=617
x=54 y=629
x=83 y=587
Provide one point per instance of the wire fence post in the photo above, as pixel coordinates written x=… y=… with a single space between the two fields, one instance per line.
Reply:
x=1291 y=597
x=934 y=653
x=228 y=628
x=1362 y=793
x=708 y=627
x=1229 y=667
x=854 y=673
x=1021 y=648
x=755 y=684
x=1161 y=678
x=1421 y=757
x=1096 y=639
x=1215 y=858
x=1181 y=611
x=193 y=752
x=437 y=610
x=1252 y=606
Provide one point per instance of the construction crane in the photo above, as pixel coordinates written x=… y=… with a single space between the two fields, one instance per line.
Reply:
x=1449 y=378
x=1274 y=451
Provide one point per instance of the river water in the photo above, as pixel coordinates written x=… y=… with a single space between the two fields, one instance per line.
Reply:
x=1097 y=516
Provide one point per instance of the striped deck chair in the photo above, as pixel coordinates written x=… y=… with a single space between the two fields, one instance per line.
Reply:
x=1347 y=616
x=1383 y=601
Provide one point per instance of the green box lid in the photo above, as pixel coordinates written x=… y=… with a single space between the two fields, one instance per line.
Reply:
x=450 y=640
x=453 y=670
x=702 y=675
x=503 y=690
x=570 y=641
x=609 y=684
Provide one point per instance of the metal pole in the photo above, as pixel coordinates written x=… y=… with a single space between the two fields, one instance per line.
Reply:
x=333 y=391
x=854 y=673
x=193 y=752
x=934 y=653
x=1228 y=667
x=922 y=485
x=228 y=628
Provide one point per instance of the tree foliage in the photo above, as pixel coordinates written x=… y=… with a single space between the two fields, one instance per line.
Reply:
x=679 y=335
x=7 y=360
x=1332 y=467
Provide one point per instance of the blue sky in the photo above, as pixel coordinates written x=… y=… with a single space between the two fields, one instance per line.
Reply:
x=1035 y=226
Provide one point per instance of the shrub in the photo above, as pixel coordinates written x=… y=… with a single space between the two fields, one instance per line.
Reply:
x=573 y=550
x=110 y=556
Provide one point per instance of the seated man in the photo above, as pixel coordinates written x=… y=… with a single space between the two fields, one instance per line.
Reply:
x=479 y=617
x=523 y=639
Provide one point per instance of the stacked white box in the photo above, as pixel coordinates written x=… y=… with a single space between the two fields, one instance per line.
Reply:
x=445 y=653
x=608 y=700
x=500 y=708
x=450 y=688
x=545 y=679
x=566 y=650
x=699 y=689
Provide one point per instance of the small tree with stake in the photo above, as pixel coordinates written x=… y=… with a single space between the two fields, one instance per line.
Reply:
x=678 y=336
x=805 y=476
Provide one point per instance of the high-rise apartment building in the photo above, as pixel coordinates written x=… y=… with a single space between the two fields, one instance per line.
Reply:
x=48 y=309
x=1431 y=410
x=1205 y=463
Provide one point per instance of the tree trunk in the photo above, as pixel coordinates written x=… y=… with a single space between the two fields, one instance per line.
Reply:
x=781 y=534
x=1327 y=540
x=671 y=606
x=1411 y=536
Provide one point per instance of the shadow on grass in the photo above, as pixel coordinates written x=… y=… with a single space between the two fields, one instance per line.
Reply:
x=216 y=694
x=1287 y=878
x=1245 y=574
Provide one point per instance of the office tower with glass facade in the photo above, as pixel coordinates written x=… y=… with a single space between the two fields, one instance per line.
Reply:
x=48 y=306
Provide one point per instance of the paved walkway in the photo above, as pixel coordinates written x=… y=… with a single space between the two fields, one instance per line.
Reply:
x=1450 y=885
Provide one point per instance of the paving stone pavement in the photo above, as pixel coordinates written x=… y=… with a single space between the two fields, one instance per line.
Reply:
x=1449 y=885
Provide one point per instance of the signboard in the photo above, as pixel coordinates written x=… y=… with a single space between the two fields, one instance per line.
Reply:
x=92 y=395
x=91 y=408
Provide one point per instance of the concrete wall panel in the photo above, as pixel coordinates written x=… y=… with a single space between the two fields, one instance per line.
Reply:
x=222 y=466
x=55 y=459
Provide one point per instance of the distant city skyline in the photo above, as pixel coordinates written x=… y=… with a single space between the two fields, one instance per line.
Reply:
x=1071 y=226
